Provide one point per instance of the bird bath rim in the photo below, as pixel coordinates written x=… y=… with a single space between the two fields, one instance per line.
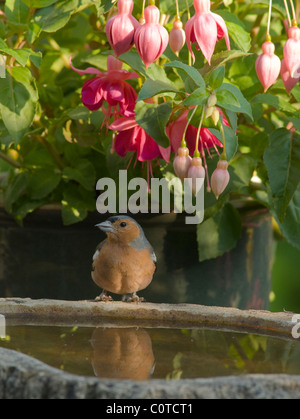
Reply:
x=24 y=377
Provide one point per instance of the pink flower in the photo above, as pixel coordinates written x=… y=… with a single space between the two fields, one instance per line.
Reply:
x=177 y=37
x=205 y=28
x=267 y=65
x=207 y=140
x=220 y=178
x=151 y=39
x=288 y=81
x=175 y=132
x=120 y=29
x=109 y=87
x=291 y=52
x=196 y=171
x=182 y=162
x=132 y=137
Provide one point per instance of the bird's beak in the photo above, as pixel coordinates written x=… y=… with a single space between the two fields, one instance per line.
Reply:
x=106 y=226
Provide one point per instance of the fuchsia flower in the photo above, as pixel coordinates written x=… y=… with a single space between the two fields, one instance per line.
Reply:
x=267 y=65
x=175 y=132
x=288 y=81
x=132 y=137
x=177 y=37
x=109 y=87
x=151 y=39
x=291 y=52
x=196 y=171
x=182 y=162
x=220 y=178
x=120 y=29
x=205 y=28
x=207 y=140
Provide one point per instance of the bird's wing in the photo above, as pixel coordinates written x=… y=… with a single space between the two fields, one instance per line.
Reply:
x=153 y=255
x=98 y=249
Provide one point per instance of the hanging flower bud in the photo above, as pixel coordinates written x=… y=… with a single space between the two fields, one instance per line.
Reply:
x=151 y=39
x=220 y=178
x=288 y=81
x=215 y=116
x=177 y=37
x=196 y=171
x=291 y=52
x=267 y=65
x=182 y=162
x=212 y=100
x=120 y=29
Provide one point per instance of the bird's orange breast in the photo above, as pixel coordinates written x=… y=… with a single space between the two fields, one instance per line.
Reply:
x=122 y=269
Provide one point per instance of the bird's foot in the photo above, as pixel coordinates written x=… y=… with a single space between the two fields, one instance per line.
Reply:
x=133 y=298
x=104 y=297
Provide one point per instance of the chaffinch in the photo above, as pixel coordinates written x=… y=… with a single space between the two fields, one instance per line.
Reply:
x=124 y=262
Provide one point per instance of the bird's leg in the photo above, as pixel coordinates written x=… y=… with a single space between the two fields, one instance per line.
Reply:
x=104 y=297
x=134 y=298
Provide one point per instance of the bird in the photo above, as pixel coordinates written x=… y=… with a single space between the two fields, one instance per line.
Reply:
x=124 y=263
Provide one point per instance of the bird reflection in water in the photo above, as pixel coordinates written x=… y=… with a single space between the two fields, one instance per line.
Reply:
x=122 y=353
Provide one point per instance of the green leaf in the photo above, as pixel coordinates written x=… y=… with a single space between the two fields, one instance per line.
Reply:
x=221 y=58
x=190 y=71
x=236 y=30
x=216 y=78
x=198 y=97
x=16 y=12
x=134 y=61
x=56 y=16
x=152 y=88
x=15 y=189
x=241 y=171
x=17 y=101
x=105 y=6
x=231 y=140
x=169 y=6
x=274 y=101
x=290 y=226
x=74 y=207
x=42 y=182
x=154 y=118
x=21 y=55
x=282 y=159
x=226 y=99
x=244 y=105
x=296 y=92
x=219 y=234
x=83 y=173
x=38 y=4
x=296 y=123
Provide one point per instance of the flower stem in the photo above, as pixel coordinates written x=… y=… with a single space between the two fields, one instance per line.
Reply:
x=188 y=17
x=196 y=152
x=287 y=13
x=268 y=37
x=9 y=160
x=183 y=142
x=143 y=9
x=223 y=156
x=294 y=22
x=177 y=11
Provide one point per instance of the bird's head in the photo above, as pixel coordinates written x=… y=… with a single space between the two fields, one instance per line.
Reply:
x=121 y=228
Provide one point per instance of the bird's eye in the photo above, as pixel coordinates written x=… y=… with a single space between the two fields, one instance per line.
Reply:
x=123 y=224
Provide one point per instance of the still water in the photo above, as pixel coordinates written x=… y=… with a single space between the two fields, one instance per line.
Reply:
x=145 y=353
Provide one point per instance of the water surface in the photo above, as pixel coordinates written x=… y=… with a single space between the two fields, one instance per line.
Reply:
x=145 y=353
